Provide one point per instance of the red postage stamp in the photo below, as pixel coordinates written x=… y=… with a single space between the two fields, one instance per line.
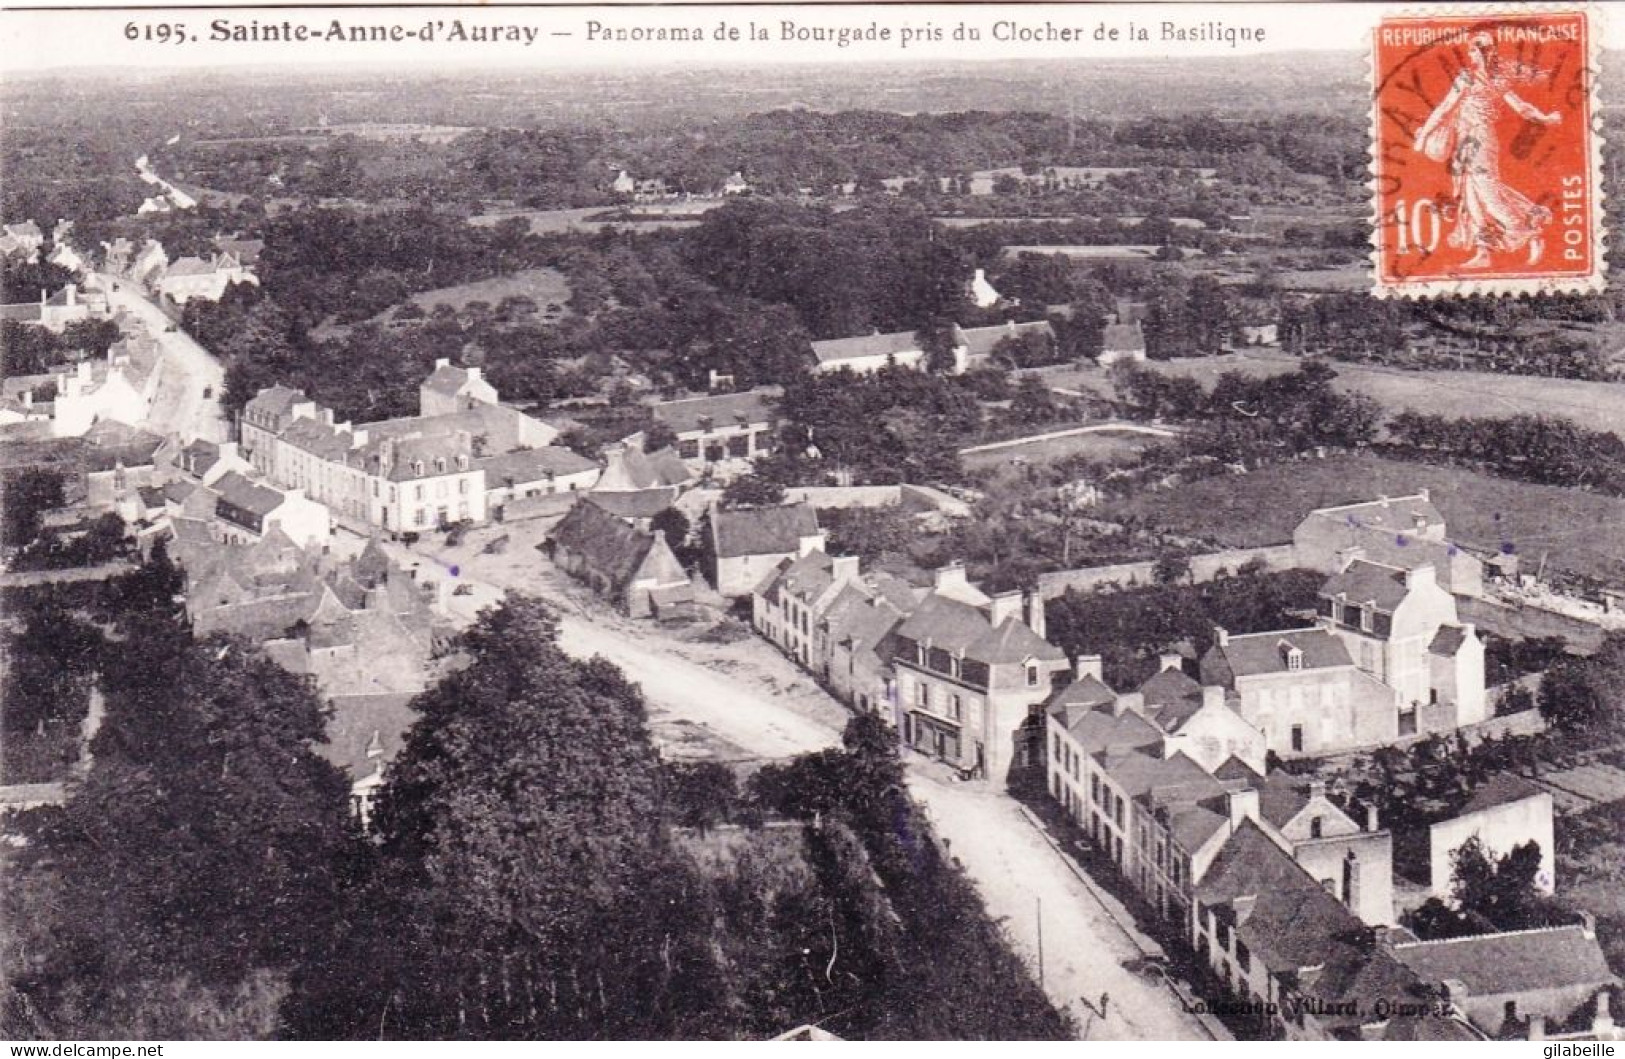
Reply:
x=1486 y=159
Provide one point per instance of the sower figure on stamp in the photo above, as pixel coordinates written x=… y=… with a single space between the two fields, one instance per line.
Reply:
x=1491 y=215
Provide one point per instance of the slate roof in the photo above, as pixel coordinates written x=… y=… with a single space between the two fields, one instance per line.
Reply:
x=724 y=410
x=1266 y=652
x=1192 y=826
x=762 y=530
x=629 y=469
x=611 y=547
x=360 y=722
x=964 y=630
x=22 y=312
x=1515 y=962
x=1169 y=686
x=532 y=465
x=1503 y=788
x=1138 y=771
x=1123 y=337
x=1394 y=515
x=246 y=250
x=861 y=346
x=1363 y=582
x=1447 y=641
x=1097 y=731
x=979 y=341
x=447 y=379
x=248 y=495
x=188 y=266
x=273 y=402
x=643 y=503
x=1281 y=797
x=319 y=439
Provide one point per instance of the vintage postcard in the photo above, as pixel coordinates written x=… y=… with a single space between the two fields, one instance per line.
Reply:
x=689 y=522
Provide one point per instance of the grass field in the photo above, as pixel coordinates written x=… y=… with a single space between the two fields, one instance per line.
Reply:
x=1103 y=447
x=553 y=222
x=1576 y=531
x=542 y=285
x=1597 y=405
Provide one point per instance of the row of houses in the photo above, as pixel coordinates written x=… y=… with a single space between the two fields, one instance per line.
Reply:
x=971 y=348
x=69 y=400
x=187 y=277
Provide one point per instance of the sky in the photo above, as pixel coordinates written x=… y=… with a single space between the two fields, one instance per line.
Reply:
x=34 y=38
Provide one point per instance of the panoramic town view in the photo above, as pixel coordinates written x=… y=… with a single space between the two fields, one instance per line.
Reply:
x=890 y=551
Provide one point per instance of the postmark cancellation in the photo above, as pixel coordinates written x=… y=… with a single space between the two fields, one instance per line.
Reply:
x=1486 y=152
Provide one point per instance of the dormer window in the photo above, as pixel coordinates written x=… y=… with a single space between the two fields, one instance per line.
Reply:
x=1294 y=659
x=417 y=468
x=953 y=665
x=1337 y=609
x=440 y=465
x=1365 y=617
x=1032 y=674
x=919 y=653
x=1315 y=827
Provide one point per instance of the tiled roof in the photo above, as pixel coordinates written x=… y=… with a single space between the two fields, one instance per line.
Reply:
x=1503 y=788
x=318 y=438
x=611 y=547
x=1138 y=771
x=722 y=410
x=1363 y=582
x=1097 y=730
x=532 y=465
x=762 y=530
x=1193 y=825
x=1281 y=797
x=1515 y=962
x=1266 y=652
x=876 y=345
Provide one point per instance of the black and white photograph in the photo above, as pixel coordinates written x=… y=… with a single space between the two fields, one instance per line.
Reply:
x=836 y=522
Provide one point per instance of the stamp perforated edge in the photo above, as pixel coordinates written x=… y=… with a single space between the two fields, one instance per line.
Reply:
x=1467 y=286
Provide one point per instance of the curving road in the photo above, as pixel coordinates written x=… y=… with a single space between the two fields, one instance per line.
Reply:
x=190 y=379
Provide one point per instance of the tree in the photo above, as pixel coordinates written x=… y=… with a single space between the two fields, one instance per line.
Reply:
x=1171 y=569
x=25 y=495
x=673 y=525
x=520 y=848
x=1504 y=890
x=752 y=490
x=205 y=845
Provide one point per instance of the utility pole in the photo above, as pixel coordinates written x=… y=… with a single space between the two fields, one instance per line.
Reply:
x=1040 y=903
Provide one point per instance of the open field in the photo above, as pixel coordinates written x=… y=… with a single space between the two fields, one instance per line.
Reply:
x=544 y=286
x=1576 y=531
x=1596 y=405
x=1101 y=446
x=553 y=222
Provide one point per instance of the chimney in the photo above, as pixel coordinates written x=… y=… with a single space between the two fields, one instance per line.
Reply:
x=812 y=542
x=1423 y=493
x=473 y=373
x=28 y=398
x=1128 y=702
x=73 y=294
x=1003 y=606
x=1351 y=884
x=1383 y=500
x=1537 y=1026
x=1455 y=991
x=1421 y=575
x=1602 y=1023
x=441 y=362
x=1243 y=907
x=1317 y=788
x=1212 y=695
x=1088 y=666
x=375 y=746
x=327 y=417
x=228 y=448
x=1036 y=620
x=1241 y=805
x=1170 y=660
x=1221 y=636
x=1588 y=926
x=1371 y=821
x=949 y=576
x=844 y=568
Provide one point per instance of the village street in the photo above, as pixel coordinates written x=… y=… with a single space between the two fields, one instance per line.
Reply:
x=190 y=379
x=756 y=705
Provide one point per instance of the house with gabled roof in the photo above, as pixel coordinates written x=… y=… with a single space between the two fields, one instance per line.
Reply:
x=788 y=602
x=865 y=354
x=975 y=347
x=1405 y=532
x=450 y=388
x=1503 y=812
x=365 y=732
x=192 y=277
x=749 y=543
x=972 y=679
x=634 y=569
x=721 y=435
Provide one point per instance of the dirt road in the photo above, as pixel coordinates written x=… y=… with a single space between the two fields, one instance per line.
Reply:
x=755 y=699
x=190 y=379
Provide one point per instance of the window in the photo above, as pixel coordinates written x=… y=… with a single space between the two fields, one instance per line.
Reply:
x=1244 y=958
x=954 y=706
x=922 y=695
x=440 y=465
x=953 y=666
x=462 y=486
x=1094 y=789
x=417 y=492
x=1297 y=737
x=1119 y=811
x=1337 y=610
x=1365 y=619
x=1314 y=827
x=919 y=653
x=1055 y=746
x=1032 y=674
x=688 y=450
x=1294 y=659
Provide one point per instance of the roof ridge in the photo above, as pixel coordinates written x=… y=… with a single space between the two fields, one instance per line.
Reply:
x=1273 y=632
x=1368 y=503
x=1498 y=934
